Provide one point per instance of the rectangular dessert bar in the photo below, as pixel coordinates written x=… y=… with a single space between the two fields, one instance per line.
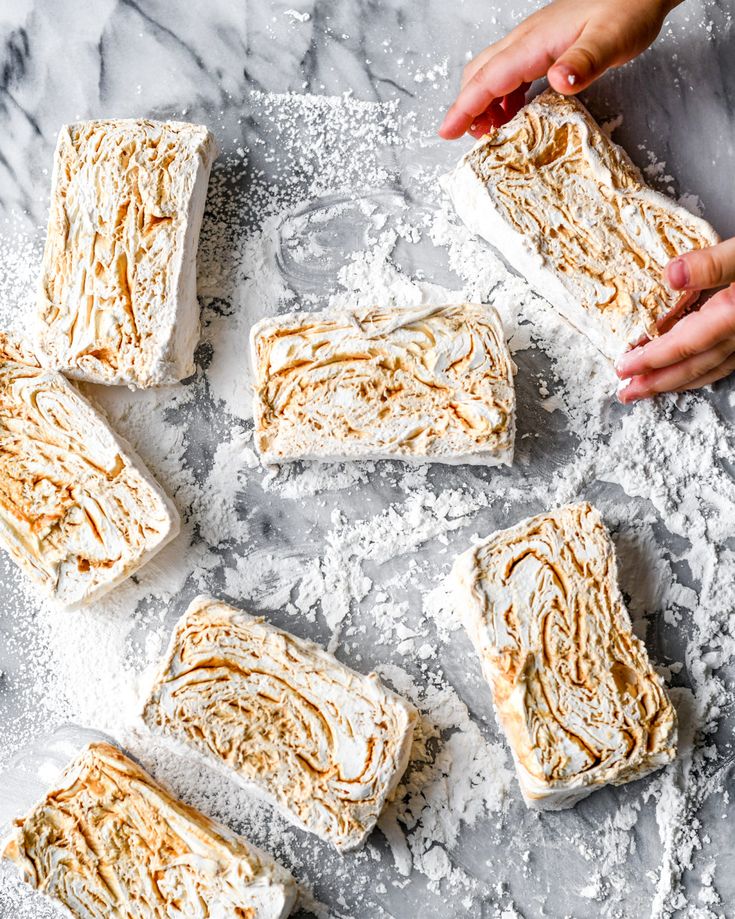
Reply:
x=108 y=841
x=283 y=718
x=568 y=209
x=574 y=690
x=117 y=300
x=79 y=512
x=428 y=384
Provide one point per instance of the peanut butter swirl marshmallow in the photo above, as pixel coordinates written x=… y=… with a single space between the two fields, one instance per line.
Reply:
x=569 y=210
x=283 y=718
x=79 y=512
x=107 y=842
x=574 y=691
x=117 y=299
x=428 y=384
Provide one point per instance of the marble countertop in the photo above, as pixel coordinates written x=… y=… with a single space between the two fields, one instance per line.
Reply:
x=220 y=62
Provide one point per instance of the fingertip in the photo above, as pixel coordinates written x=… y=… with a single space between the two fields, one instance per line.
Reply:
x=493 y=117
x=513 y=102
x=676 y=274
x=625 y=397
x=449 y=130
x=624 y=366
x=445 y=127
x=565 y=79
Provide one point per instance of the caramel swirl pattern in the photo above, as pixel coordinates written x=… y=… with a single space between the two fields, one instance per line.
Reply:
x=431 y=383
x=573 y=688
x=117 y=300
x=289 y=722
x=78 y=511
x=109 y=843
x=570 y=211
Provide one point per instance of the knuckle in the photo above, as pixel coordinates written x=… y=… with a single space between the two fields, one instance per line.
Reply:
x=727 y=298
x=479 y=75
x=708 y=268
x=587 y=58
x=710 y=361
x=684 y=351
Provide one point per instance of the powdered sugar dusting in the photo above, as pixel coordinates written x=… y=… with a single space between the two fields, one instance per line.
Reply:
x=339 y=205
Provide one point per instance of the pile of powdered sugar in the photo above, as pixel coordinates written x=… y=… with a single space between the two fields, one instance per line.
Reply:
x=337 y=203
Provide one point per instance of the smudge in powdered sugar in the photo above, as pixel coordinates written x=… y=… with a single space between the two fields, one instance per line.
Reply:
x=466 y=781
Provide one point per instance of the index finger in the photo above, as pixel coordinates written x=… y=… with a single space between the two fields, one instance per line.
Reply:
x=486 y=56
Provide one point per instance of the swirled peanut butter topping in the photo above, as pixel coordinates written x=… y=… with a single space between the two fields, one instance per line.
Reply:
x=428 y=384
x=78 y=512
x=109 y=843
x=324 y=744
x=573 y=688
x=117 y=300
x=569 y=210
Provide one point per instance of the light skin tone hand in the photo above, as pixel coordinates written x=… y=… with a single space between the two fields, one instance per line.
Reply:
x=700 y=348
x=573 y=42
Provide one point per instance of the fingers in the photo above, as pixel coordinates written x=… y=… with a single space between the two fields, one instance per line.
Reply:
x=696 y=333
x=514 y=102
x=719 y=373
x=485 y=56
x=678 y=377
x=492 y=117
x=499 y=112
x=703 y=268
x=503 y=74
x=574 y=41
x=590 y=56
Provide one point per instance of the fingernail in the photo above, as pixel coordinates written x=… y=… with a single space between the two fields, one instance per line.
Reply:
x=622 y=389
x=677 y=274
x=621 y=365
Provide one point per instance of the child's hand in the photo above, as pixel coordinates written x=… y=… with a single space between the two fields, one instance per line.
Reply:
x=700 y=348
x=573 y=41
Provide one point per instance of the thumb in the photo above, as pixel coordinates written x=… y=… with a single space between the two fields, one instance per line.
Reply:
x=589 y=57
x=703 y=268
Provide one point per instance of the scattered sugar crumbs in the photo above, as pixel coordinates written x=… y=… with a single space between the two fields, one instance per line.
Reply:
x=328 y=206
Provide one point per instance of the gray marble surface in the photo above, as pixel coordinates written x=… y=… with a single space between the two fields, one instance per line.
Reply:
x=65 y=60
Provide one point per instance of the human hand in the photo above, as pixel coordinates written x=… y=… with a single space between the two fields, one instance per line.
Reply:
x=700 y=348
x=573 y=41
